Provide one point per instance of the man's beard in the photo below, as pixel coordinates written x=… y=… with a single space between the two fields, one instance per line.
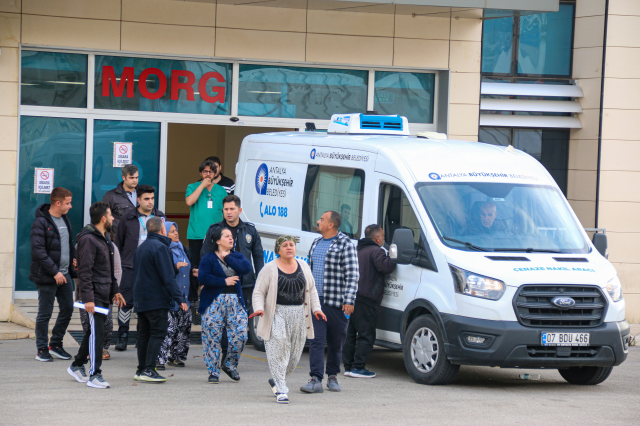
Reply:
x=107 y=227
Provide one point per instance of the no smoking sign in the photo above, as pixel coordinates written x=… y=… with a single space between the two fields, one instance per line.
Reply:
x=122 y=154
x=43 y=181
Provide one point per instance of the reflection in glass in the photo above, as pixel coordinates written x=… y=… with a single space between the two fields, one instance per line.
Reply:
x=54 y=79
x=161 y=85
x=145 y=150
x=497 y=45
x=57 y=143
x=299 y=92
x=409 y=94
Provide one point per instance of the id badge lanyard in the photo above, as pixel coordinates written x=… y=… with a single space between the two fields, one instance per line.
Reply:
x=209 y=202
x=144 y=227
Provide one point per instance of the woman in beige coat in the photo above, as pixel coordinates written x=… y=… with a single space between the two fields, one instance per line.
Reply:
x=284 y=297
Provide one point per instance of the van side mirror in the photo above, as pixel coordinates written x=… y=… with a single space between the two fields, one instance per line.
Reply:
x=600 y=242
x=402 y=247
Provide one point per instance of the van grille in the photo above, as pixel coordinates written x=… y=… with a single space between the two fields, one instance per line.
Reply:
x=533 y=307
x=570 y=259
x=563 y=352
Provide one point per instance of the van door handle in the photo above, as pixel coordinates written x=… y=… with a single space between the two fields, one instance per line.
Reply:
x=275 y=235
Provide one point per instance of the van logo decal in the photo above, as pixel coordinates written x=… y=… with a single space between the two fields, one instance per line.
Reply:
x=313 y=154
x=262 y=176
x=563 y=302
x=434 y=176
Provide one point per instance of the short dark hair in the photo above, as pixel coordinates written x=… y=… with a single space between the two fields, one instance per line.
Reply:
x=155 y=224
x=208 y=163
x=335 y=218
x=97 y=211
x=59 y=194
x=345 y=206
x=145 y=189
x=129 y=170
x=372 y=231
x=214 y=159
x=216 y=237
x=231 y=199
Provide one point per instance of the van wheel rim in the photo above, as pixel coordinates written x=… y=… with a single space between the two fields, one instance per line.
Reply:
x=255 y=328
x=424 y=350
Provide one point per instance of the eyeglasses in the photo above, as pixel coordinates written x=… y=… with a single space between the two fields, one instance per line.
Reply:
x=207 y=172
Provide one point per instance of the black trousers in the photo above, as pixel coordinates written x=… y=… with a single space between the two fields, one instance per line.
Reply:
x=152 y=329
x=333 y=332
x=247 y=294
x=47 y=294
x=194 y=251
x=361 y=335
x=92 y=342
x=124 y=313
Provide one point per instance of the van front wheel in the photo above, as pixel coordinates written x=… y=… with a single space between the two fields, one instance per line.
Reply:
x=424 y=354
x=258 y=343
x=585 y=375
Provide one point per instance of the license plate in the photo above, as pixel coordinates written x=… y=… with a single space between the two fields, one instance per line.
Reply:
x=565 y=339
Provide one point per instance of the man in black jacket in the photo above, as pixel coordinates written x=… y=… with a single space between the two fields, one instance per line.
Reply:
x=97 y=287
x=374 y=264
x=132 y=232
x=53 y=260
x=124 y=196
x=154 y=291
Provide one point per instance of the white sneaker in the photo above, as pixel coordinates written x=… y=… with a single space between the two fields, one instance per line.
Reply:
x=347 y=373
x=78 y=373
x=98 y=382
x=282 y=398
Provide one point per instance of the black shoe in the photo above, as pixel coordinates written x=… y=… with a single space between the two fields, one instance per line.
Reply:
x=213 y=380
x=123 y=340
x=59 y=352
x=150 y=375
x=160 y=367
x=44 y=355
x=233 y=375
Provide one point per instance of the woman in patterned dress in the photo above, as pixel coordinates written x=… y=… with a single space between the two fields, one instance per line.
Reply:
x=222 y=305
x=284 y=297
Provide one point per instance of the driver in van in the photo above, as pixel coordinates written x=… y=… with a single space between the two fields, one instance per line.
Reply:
x=484 y=220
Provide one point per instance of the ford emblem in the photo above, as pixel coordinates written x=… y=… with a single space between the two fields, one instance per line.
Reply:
x=563 y=302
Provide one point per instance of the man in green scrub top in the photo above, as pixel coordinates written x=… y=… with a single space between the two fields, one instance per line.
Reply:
x=204 y=199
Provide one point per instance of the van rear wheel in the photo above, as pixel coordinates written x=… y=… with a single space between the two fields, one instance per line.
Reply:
x=256 y=340
x=424 y=355
x=585 y=375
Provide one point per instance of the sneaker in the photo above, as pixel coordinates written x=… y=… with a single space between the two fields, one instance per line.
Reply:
x=78 y=373
x=151 y=376
x=347 y=373
x=272 y=385
x=213 y=380
x=160 y=367
x=59 y=352
x=137 y=375
x=332 y=384
x=98 y=382
x=176 y=363
x=233 y=374
x=282 y=398
x=105 y=354
x=363 y=373
x=314 y=386
x=44 y=355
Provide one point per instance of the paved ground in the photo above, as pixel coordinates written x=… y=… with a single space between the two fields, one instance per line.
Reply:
x=34 y=392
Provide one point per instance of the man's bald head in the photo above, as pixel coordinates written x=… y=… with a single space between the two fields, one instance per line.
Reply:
x=488 y=214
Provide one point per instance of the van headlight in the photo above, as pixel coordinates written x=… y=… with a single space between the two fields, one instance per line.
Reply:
x=476 y=285
x=614 y=288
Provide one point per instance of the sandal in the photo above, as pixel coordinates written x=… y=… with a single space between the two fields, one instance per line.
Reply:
x=105 y=354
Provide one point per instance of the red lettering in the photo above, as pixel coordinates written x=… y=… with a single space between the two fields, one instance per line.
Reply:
x=202 y=88
x=109 y=79
x=176 y=85
x=142 y=83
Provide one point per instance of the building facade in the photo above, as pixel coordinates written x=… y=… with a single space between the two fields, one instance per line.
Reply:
x=183 y=80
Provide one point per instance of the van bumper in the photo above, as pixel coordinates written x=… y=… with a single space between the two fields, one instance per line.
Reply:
x=509 y=344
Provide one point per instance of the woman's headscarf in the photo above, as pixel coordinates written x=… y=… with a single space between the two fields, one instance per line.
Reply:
x=282 y=239
x=177 y=249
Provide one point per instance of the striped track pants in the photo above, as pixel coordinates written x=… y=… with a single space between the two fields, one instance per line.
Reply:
x=92 y=343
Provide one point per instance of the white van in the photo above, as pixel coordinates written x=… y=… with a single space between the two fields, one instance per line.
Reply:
x=494 y=268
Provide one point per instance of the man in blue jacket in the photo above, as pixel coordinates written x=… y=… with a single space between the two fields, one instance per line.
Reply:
x=154 y=290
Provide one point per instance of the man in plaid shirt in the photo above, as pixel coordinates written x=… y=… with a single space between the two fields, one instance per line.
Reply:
x=333 y=259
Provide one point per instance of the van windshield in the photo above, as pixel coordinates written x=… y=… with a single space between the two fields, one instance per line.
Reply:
x=502 y=217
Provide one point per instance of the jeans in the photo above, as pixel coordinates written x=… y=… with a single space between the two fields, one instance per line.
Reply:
x=333 y=332
x=47 y=294
x=92 y=342
x=361 y=335
x=152 y=329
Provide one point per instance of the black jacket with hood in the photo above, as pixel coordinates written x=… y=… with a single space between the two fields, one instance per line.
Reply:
x=96 y=280
x=46 y=248
x=154 y=282
x=119 y=203
x=128 y=234
x=374 y=264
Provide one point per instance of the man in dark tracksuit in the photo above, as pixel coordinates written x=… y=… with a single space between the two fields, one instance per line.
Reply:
x=374 y=264
x=132 y=232
x=97 y=287
x=154 y=291
x=246 y=240
x=124 y=196
x=53 y=261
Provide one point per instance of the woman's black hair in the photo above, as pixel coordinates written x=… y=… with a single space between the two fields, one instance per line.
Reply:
x=216 y=237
